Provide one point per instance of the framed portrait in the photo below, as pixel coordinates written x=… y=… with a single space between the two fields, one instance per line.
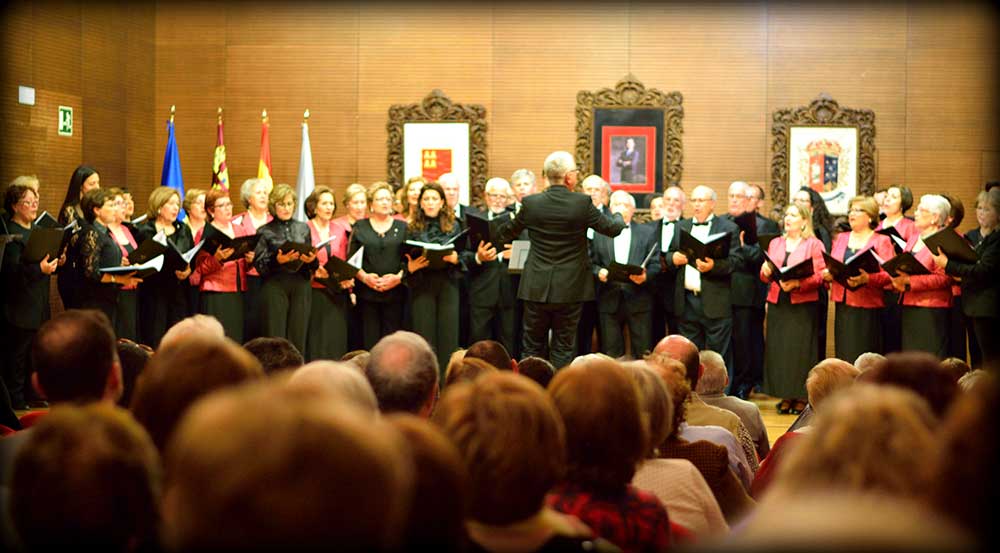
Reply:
x=435 y=137
x=824 y=159
x=631 y=137
x=825 y=147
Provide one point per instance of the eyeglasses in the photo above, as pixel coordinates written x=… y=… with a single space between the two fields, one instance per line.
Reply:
x=29 y=203
x=496 y=196
x=223 y=204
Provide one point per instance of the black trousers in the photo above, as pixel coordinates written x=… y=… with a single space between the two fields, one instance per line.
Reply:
x=285 y=301
x=986 y=330
x=379 y=319
x=328 y=319
x=612 y=331
x=585 y=329
x=493 y=322
x=251 y=308
x=562 y=319
x=748 y=349
x=435 y=316
x=706 y=332
x=17 y=366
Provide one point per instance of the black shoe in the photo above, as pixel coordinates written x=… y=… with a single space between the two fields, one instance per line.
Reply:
x=38 y=404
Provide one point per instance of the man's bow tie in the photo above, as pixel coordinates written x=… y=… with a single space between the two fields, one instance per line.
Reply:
x=666 y=222
x=697 y=224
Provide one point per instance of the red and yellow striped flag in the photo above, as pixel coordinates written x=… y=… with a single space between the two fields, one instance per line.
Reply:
x=264 y=166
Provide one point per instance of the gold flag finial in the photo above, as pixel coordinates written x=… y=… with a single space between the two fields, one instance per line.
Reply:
x=305 y=115
x=173 y=109
x=220 y=114
x=263 y=116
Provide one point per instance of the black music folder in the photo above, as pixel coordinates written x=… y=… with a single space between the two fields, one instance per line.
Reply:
x=141 y=271
x=435 y=253
x=480 y=230
x=747 y=221
x=953 y=244
x=898 y=243
x=620 y=272
x=715 y=246
x=802 y=269
x=865 y=260
x=906 y=263
x=214 y=238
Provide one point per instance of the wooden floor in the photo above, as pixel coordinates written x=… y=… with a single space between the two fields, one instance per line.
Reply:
x=776 y=424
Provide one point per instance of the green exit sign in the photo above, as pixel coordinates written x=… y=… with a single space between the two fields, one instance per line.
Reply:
x=65 y=121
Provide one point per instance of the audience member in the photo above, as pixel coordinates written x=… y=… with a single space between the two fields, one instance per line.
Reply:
x=440 y=492
x=403 y=372
x=492 y=352
x=359 y=357
x=512 y=441
x=275 y=354
x=180 y=373
x=869 y=360
x=537 y=369
x=955 y=367
x=710 y=459
x=825 y=378
x=711 y=390
x=342 y=379
x=971 y=379
x=675 y=482
x=294 y=472
x=466 y=369
x=195 y=325
x=605 y=441
x=87 y=478
x=919 y=372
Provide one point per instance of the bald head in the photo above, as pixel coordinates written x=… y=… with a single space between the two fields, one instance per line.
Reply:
x=403 y=372
x=680 y=348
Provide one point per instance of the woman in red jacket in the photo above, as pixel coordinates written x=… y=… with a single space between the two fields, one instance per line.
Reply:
x=793 y=311
x=222 y=282
x=897 y=201
x=856 y=326
x=926 y=298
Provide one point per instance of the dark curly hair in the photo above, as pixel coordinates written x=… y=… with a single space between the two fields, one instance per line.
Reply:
x=821 y=215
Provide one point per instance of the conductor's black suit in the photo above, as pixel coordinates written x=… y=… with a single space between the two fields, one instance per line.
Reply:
x=557 y=275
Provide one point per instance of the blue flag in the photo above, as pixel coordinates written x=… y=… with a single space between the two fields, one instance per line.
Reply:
x=172 y=168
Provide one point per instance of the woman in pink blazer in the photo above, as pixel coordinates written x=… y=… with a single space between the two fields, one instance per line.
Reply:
x=926 y=298
x=896 y=202
x=856 y=327
x=222 y=283
x=793 y=311
x=254 y=194
x=326 y=337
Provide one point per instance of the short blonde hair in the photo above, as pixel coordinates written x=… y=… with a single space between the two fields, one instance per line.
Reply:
x=353 y=190
x=828 y=376
x=158 y=198
x=191 y=196
x=280 y=192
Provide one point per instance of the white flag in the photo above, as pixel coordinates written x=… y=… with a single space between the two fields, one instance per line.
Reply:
x=306 y=182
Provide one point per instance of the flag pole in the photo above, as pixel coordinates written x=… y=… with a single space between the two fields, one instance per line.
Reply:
x=263 y=116
x=220 y=114
x=173 y=109
x=305 y=116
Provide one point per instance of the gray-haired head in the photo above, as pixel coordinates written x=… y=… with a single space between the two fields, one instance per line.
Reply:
x=557 y=165
x=714 y=376
x=939 y=206
x=341 y=380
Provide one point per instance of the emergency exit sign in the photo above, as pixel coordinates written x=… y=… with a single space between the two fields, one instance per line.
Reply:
x=65 y=121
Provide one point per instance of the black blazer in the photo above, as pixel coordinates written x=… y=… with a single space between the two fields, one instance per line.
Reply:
x=611 y=294
x=715 y=284
x=747 y=288
x=558 y=266
x=489 y=282
x=663 y=283
x=26 y=287
x=980 y=280
x=272 y=236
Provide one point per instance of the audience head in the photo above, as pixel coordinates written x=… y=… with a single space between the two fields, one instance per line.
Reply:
x=133 y=358
x=680 y=348
x=344 y=381
x=955 y=367
x=181 y=373
x=466 y=369
x=440 y=491
x=359 y=357
x=537 y=369
x=971 y=379
x=866 y=439
x=654 y=400
x=828 y=376
x=493 y=353
x=605 y=435
x=714 y=376
x=86 y=478
x=964 y=484
x=674 y=377
x=403 y=372
x=512 y=442
x=76 y=358
x=195 y=325
x=919 y=372
x=288 y=470
x=560 y=169
x=275 y=354
x=868 y=361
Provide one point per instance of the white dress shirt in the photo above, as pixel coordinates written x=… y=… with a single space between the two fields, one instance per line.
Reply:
x=692 y=278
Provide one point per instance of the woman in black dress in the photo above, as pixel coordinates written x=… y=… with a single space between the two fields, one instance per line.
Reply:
x=25 y=304
x=380 y=296
x=163 y=297
x=127 y=312
x=285 y=295
x=99 y=250
x=434 y=299
x=84 y=179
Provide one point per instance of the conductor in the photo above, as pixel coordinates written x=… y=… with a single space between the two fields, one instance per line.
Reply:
x=557 y=275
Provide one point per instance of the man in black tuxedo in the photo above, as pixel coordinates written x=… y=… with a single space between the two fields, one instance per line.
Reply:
x=492 y=296
x=629 y=302
x=665 y=280
x=702 y=290
x=557 y=276
x=449 y=183
x=749 y=295
x=599 y=191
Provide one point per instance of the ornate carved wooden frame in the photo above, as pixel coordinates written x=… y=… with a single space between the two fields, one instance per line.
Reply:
x=630 y=93
x=823 y=111
x=436 y=107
